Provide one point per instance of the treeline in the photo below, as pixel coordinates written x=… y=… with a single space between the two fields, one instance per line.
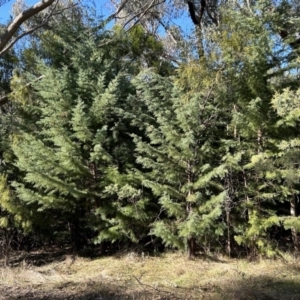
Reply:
x=106 y=140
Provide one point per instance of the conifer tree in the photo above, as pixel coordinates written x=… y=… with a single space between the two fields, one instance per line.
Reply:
x=254 y=70
x=72 y=145
x=285 y=158
x=180 y=161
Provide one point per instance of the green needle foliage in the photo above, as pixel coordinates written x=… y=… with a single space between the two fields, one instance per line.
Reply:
x=178 y=157
x=190 y=140
x=75 y=151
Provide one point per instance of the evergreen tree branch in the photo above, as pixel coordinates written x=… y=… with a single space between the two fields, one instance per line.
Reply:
x=4 y=99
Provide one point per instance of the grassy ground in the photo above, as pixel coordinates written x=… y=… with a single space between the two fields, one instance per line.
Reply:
x=132 y=276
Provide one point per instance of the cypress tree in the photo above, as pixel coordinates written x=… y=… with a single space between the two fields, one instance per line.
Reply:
x=178 y=155
x=254 y=71
x=72 y=146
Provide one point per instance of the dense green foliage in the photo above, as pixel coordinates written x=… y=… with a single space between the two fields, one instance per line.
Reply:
x=105 y=140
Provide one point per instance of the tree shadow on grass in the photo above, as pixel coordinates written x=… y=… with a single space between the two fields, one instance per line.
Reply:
x=252 y=288
x=44 y=257
x=104 y=293
x=261 y=287
x=231 y=286
x=37 y=258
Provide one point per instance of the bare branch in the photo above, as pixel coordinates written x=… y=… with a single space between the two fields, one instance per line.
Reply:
x=138 y=11
x=114 y=15
x=141 y=14
x=214 y=20
x=10 y=44
x=2 y=2
x=19 y=20
x=167 y=30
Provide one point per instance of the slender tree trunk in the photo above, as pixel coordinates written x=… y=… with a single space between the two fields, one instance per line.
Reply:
x=191 y=241
x=259 y=140
x=228 y=246
x=235 y=129
x=76 y=230
x=293 y=210
x=228 y=203
x=7 y=246
x=199 y=43
x=191 y=245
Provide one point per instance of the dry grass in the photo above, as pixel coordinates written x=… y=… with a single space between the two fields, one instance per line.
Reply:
x=170 y=276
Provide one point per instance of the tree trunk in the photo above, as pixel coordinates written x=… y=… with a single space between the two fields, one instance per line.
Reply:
x=191 y=245
x=8 y=237
x=191 y=241
x=76 y=230
x=293 y=210
x=228 y=246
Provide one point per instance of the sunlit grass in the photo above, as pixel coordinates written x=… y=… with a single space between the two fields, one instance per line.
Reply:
x=170 y=275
